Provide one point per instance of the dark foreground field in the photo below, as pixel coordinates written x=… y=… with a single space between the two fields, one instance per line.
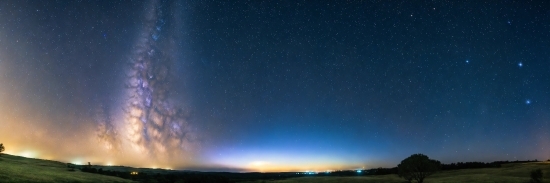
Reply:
x=21 y=169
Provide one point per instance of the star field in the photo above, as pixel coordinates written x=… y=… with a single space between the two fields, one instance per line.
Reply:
x=275 y=85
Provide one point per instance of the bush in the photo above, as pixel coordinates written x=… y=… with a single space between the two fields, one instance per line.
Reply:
x=536 y=176
x=2 y=148
x=71 y=167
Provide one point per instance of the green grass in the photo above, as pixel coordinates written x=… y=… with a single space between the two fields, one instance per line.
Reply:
x=508 y=173
x=21 y=169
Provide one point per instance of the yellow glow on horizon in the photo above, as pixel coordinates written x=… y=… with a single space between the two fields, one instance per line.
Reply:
x=77 y=162
x=259 y=166
x=281 y=162
x=28 y=154
x=259 y=163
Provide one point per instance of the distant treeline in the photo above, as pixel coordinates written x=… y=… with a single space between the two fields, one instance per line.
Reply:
x=187 y=176
x=472 y=165
x=469 y=165
x=452 y=166
x=172 y=177
x=374 y=171
x=227 y=177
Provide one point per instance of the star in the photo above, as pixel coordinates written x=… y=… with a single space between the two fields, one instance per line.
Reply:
x=520 y=64
x=528 y=102
x=467 y=61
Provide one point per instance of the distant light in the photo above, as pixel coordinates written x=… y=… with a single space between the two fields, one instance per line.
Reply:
x=467 y=61
x=358 y=171
x=76 y=162
x=528 y=102
x=520 y=64
x=259 y=163
x=28 y=154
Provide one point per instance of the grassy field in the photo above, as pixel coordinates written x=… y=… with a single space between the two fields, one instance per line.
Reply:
x=21 y=169
x=508 y=173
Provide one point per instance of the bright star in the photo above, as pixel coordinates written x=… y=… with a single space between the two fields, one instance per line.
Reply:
x=520 y=64
x=467 y=61
x=528 y=102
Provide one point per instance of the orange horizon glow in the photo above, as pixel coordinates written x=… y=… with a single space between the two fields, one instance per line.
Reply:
x=256 y=166
x=252 y=166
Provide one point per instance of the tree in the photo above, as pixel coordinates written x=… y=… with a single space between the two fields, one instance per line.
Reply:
x=417 y=167
x=2 y=148
x=536 y=176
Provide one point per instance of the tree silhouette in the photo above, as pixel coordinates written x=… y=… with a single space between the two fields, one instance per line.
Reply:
x=2 y=148
x=417 y=167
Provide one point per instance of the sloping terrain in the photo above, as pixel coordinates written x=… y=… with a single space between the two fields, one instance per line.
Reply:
x=21 y=169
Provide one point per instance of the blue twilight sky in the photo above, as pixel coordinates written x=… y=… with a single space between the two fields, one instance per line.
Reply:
x=274 y=85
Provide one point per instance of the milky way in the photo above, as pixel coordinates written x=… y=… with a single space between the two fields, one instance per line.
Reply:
x=154 y=123
x=106 y=131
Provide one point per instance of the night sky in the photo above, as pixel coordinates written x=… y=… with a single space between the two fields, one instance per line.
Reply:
x=274 y=85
